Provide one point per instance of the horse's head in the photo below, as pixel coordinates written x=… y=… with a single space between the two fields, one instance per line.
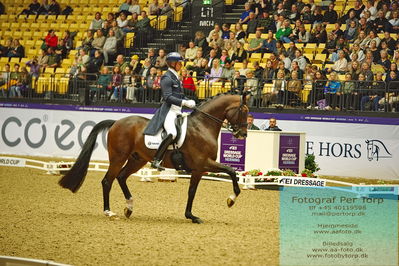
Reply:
x=237 y=115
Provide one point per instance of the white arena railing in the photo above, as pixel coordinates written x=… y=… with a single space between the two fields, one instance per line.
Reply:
x=147 y=173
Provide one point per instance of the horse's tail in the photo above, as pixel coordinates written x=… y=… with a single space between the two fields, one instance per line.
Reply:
x=75 y=177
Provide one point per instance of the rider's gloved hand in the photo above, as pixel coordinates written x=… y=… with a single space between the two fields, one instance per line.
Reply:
x=188 y=103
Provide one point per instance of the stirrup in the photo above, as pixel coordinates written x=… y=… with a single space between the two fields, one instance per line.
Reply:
x=157 y=165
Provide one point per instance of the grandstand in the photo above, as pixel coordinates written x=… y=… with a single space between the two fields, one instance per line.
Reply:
x=317 y=30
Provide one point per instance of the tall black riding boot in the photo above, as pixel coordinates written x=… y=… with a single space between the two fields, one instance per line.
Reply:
x=161 y=152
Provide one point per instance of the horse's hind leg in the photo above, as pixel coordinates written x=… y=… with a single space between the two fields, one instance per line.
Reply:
x=133 y=165
x=113 y=171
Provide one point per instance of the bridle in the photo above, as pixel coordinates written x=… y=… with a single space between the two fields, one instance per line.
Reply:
x=234 y=128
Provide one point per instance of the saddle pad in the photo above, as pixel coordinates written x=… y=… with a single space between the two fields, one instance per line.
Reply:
x=153 y=142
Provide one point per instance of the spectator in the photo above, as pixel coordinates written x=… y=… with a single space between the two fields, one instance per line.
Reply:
x=216 y=30
x=317 y=16
x=348 y=93
x=240 y=34
x=354 y=70
x=284 y=32
x=250 y=123
x=244 y=69
x=154 y=8
x=256 y=43
x=124 y=8
x=53 y=58
x=119 y=34
x=68 y=40
x=266 y=22
x=128 y=85
x=191 y=52
x=351 y=33
x=319 y=34
x=32 y=9
x=391 y=43
x=300 y=60
x=281 y=67
x=306 y=15
x=358 y=9
x=34 y=68
x=134 y=8
x=369 y=8
x=269 y=45
x=95 y=63
x=384 y=61
x=22 y=85
x=149 y=84
x=5 y=81
x=273 y=125
x=54 y=8
x=252 y=23
x=161 y=60
x=42 y=59
x=116 y=83
x=166 y=10
x=251 y=84
x=374 y=95
x=294 y=88
x=110 y=18
x=316 y=94
x=197 y=60
x=151 y=55
x=330 y=16
x=225 y=31
x=245 y=15
x=83 y=58
x=268 y=72
x=96 y=23
x=17 y=50
x=188 y=83
x=280 y=47
x=145 y=70
x=51 y=40
x=200 y=41
x=143 y=29
x=121 y=64
x=216 y=71
x=135 y=65
x=109 y=47
x=279 y=86
x=394 y=22
x=303 y=35
x=381 y=24
x=332 y=92
x=122 y=21
x=203 y=70
x=341 y=64
x=44 y=8
x=352 y=18
x=103 y=85
x=98 y=42
x=216 y=41
x=61 y=49
x=228 y=71
x=131 y=24
x=285 y=60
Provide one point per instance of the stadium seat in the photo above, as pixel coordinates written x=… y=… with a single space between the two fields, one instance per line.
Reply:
x=255 y=57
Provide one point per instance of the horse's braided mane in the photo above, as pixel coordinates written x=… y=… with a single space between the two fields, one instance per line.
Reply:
x=210 y=99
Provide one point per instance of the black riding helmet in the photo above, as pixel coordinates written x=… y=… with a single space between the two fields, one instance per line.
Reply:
x=174 y=57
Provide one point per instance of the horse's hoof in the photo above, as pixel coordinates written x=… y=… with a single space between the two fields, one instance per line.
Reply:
x=128 y=212
x=230 y=202
x=110 y=214
x=197 y=220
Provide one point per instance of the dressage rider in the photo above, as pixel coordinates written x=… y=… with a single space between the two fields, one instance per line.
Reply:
x=174 y=99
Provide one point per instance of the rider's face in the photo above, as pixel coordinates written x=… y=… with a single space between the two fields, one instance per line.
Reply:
x=178 y=66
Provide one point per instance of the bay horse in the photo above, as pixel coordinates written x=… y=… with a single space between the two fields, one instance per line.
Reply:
x=128 y=153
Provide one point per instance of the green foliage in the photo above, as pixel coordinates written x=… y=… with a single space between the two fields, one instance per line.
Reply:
x=274 y=173
x=310 y=163
x=288 y=172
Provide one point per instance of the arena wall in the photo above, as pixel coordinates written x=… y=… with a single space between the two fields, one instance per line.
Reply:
x=345 y=146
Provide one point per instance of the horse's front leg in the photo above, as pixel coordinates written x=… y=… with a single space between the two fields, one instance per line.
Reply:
x=195 y=179
x=213 y=166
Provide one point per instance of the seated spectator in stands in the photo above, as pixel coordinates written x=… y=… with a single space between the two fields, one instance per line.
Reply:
x=61 y=49
x=266 y=22
x=120 y=62
x=119 y=34
x=294 y=88
x=216 y=42
x=280 y=10
x=281 y=67
x=145 y=70
x=216 y=30
x=224 y=57
x=352 y=32
x=216 y=71
x=103 y=84
x=44 y=8
x=122 y=21
x=105 y=28
x=286 y=60
x=250 y=123
x=317 y=92
x=188 y=83
x=14 y=82
x=98 y=42
x=124 y=8
x=317 y=16
x=269 y=45
x=51 y=40
x=284 y=33
x=212 y=56
x=134 y=7
x=303 y=35
x=394 y=22
x=394 y=68
x=341 y=45
x=143 y=28
x=225 y=31
x=373 y=94
x=17 y=50
x=154 y=8
x=319 y=34
x=251 y=84
x=110 y=18
x=82 y=58
x=274 y=60
x=96 y=23
x=191 y=51
x=340 y=66
x=351 y=18
x=369 y=8
x=359 y=53
x=148 y=92
x=330 y=16
x=332 y=91
x=294 y=13
x=244 y=69
x=232 y=41
x=371 y=37
x=68 y=39
x=228 y=71
x=306 y=15
x=268 y=73
x=4 y=50
x=23 y=82
x=109 y=47
x=245 y=15
x=373 y=52
x=128 y=85
x=53 y=59
x=381 y=24
x=54 y=8
x=32 y=9
x=200 y=41
x=131 y=23
x=152 y=56
x=384 y=61
x=135 y=65
x=34 y=68
x=238 y=83
x=116 y=84
x=5 y=80
x=354 y=69
x=256 y=43
x=273 y=125
x=391 y=43
x=280 y=47
x=161 y=60
x=252 y=23
x=166 y=9
x=348 y=93
x=240 y=34
x=95 y=63
x=203 y=70
x=279 y=87
x=197 y=61
x=300 y=60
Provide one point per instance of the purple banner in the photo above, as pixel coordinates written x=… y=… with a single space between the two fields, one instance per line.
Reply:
x=289 y=152
x=232 y=151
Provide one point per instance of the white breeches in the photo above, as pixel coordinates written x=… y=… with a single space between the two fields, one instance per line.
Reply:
x=169 y=123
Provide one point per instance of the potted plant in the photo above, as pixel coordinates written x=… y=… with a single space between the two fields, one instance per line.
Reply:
x=269 y=176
